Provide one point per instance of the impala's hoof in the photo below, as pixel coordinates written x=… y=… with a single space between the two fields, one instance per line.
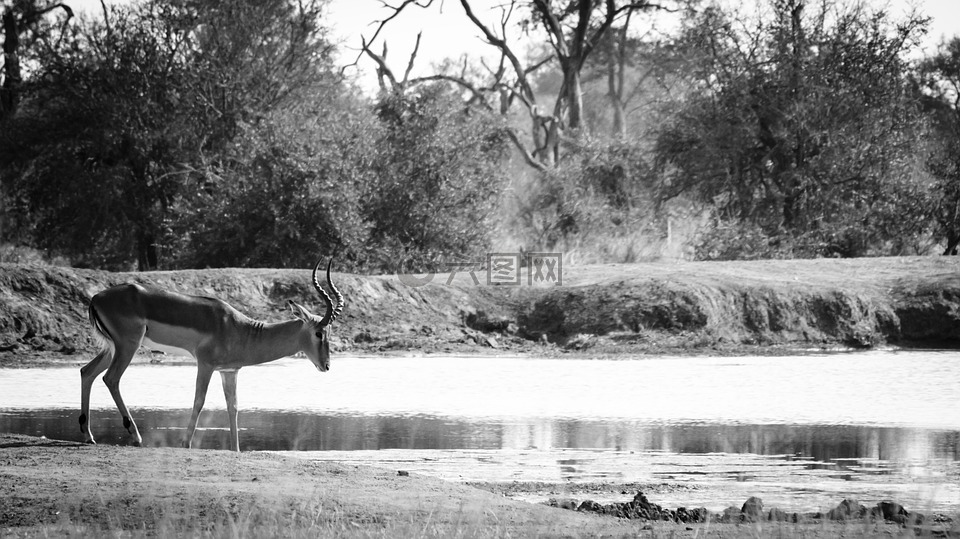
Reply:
x=90 y=442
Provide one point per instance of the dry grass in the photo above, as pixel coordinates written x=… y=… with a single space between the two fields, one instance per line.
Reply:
x=320 y=521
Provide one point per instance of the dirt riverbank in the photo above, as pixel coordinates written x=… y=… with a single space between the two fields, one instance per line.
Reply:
x=56 y=488
x=729 y=307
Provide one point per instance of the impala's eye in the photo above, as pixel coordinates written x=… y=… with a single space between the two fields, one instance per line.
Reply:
x=319 y=335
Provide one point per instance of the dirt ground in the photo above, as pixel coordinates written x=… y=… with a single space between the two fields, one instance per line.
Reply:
x=55 y=488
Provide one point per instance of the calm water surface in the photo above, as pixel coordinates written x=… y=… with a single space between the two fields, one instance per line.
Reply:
x=875 y=404
x=871 y=412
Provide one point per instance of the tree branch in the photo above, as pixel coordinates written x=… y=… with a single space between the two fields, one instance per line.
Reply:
x=459 y=81
x=524 y=152
x=383 y=70
x=502 y=45
x=413 y=56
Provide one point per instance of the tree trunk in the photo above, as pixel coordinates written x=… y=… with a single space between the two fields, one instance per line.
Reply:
x=616 y=70
x=146 y=251
x=615 y=94
x=10 y=91
x=574 y=94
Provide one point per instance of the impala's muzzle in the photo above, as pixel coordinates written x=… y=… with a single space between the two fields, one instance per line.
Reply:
x=323 y=358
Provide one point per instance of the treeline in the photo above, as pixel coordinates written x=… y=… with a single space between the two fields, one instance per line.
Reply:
x=188 y=134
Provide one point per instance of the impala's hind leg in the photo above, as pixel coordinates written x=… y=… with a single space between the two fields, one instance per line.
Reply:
x=203 y=381
x=121 y=360
x=89 y=373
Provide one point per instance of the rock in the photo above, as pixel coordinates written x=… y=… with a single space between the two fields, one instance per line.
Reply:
x=752 y=509
x=699 y=514
x=590 y=506
x=778 y=515
x=563 y=503
x=891 y=511
x=363 y=337
x=481 y=321
x=642 y=508
x=849 y=509
x=581 y=342
x=730 y=514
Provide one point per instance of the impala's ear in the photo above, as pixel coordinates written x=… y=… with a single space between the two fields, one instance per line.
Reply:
x=300 y=312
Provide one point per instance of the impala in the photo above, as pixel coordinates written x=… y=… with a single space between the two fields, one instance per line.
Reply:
x=218 y=336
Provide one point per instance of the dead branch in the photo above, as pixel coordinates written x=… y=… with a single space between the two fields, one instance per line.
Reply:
x=383 y=70
x=413 y=56
x=524 y=152
x=476 y=93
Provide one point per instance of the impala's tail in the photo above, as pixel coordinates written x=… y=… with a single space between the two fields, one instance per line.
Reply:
x=100 y=332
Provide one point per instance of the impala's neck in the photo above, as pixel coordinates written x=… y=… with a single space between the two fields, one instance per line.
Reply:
x=268 y=342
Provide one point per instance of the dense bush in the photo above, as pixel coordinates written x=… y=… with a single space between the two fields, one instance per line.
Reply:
x=599 y=205
x=804 y=132
x=282 y=194
x=437 y=181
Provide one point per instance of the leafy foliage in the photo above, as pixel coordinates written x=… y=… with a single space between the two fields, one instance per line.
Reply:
x=437 y=180
x=281 y=193
x=803 y=131
x=113 y=125
x=602 y=202
x=87 y=153
x=939 y=82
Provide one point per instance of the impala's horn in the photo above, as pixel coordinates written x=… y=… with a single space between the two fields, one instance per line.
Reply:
x=332 y=311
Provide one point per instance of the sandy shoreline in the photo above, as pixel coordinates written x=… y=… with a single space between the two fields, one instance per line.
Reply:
x=713 y=480
x=48 y=487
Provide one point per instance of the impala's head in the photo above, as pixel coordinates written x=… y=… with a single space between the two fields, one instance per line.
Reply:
x=314 y=337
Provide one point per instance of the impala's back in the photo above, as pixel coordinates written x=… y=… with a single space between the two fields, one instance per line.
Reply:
x=161 y=319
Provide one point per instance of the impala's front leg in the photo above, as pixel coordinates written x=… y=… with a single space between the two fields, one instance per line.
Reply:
x=203 y=380
x=229 y=380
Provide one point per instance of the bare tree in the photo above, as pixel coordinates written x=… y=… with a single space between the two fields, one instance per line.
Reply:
x=573 y=30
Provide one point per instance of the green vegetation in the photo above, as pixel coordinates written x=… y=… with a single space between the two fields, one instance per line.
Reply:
x=169 y=134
